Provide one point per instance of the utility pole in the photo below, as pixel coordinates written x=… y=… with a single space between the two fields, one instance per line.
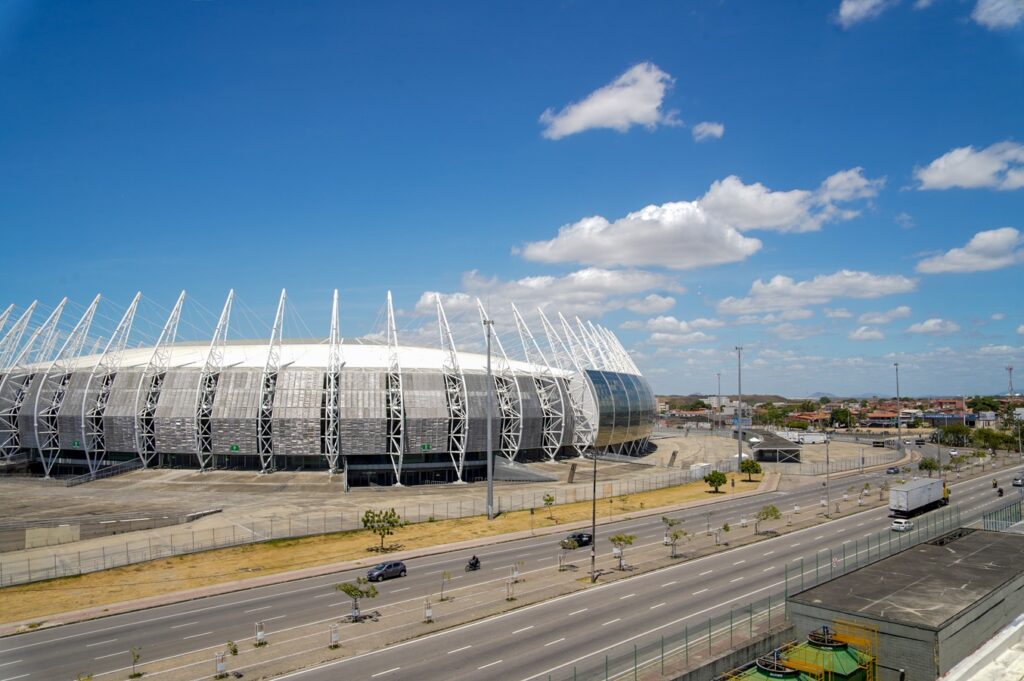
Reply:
x=718 y=410
x=1009 y=371
x=899 y=411
x=593 y=520
x=488 y=323
x=828 y=490
x=739 y=407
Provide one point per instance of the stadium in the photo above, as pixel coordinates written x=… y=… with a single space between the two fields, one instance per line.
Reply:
x=373 y=410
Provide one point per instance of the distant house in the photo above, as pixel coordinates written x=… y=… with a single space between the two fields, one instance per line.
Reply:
x=985 y=419
x=879 y=419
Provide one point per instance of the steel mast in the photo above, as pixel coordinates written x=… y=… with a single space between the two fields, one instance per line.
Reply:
x=509 y=396
x=53 y=389
x=208 y=380
x=549 y=391
x=395 y=397
x=332 y=382
x=456 y=396
x=583 y=432
x=268 y=388
x=5 y=315
x=150 y=384
x=93 y=432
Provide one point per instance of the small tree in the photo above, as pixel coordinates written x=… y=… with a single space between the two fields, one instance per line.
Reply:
x=928 y=464
x=715 y=479
x=136 y=652
x=750 y=467
x=549 y=502
x=232 y=648
x=620 y=542
x=382 y=523
x=361 y=588
x=769 y=512
x=669 y=523
x=674 y=538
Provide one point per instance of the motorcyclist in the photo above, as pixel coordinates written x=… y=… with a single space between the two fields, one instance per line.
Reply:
x=474 y=562
x=994 y=483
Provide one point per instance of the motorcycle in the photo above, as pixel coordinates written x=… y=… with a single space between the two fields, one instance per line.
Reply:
x=999 y=492
x=471 y=566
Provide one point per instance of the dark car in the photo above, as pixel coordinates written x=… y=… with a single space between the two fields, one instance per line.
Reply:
x=379 y=573
x=892 y=470
x=581 y=539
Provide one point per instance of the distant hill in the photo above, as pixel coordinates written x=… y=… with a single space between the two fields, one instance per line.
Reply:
x=749 y=399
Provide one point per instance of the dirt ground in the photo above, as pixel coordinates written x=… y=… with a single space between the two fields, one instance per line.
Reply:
x=35 y=601
x=698 y=446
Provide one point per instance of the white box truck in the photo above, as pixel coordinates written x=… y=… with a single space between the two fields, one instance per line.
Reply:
x=916 y=497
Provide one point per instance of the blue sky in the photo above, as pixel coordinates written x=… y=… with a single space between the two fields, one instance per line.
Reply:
x=836 y=186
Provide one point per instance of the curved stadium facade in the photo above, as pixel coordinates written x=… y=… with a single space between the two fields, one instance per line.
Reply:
x=380 y=412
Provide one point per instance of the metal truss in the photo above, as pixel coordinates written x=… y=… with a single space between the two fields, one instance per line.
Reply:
x=549 y=390
x=5 y=315
x=268 y=388
x=16 y=381
x=93 y=433
x=584 y=431
x=578 y=349
x=594 y=349
x=11 y=340
x=510 y=398
x=330 y=445
x=456 y=397
x=395 y=398
x=150 y=384
x=209 y=377
x=53 y=389
x=628 y=362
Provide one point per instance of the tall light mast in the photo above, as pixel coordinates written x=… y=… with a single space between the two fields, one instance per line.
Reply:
x=395 y=396
x=507 y=392
x=209 y=377
x=268 y=389
x=150 y=385
x=456 y=395
x=332 y=384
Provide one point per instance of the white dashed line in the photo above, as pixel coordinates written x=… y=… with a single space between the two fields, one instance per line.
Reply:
x=458 y=650
x=820 y=536
x=740 y=562
x=667 y=584
x=735 y=580
x=404 y=588
x=656 y=606
x=489 y=664
x=265 y=607
x=186 y=624
x=205 y=633
x=768 y=568
x=103 y=657
x=622 y=598
x=706 y=572
x=393 y=669
x=768 y=553
x=101 y=643
x=698 y=592
x=793 y=546
x=611 y=621
x=518 y=631
x=554 y=642
x=576 y=612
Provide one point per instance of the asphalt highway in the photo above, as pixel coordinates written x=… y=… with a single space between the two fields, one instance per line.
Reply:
x=100 y=647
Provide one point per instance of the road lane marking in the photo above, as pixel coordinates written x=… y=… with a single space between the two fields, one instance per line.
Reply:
x=205 y=633
x=611 y=621
x=820 y=536
x=668 y=584
x=325 y=595
x=186 y=624
x=404 y=588
x=622 y=598
x=576 y=612
x=101 y=643
x=4 y=664
x=489 y=664
x=523 y=629
x=740 y=562
x=554 y=642
x=11 y=678
x=768 y=553
x=768 y=568
x=735 y=580
x=698 y=592
x=793 y=546
x=860 y=524
x=393 y=669
x=103 y=657
x=706 y=572
x=656 y=606
x=458 y=650
x=271 y=619
x=265 y=607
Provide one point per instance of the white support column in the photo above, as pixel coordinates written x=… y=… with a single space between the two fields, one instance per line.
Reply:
x=601 y=342
x=5 y=315
x=508 y=394
x=601 y=362
x=12 y=339
x=15 y=382
x=549 y=391
x=150 y=384
x=331 y=445
x=614 y=340
x=268 y=388
x=53 y=389
x=584 y=432
x=395 y=400
x=579 y=349
x=102 y=376
x=206 y=391
x=456 y=396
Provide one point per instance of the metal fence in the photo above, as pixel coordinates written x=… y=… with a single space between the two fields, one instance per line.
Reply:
x=106 y=472
x=835 y=465
x=1007 y=518
x=690 y=643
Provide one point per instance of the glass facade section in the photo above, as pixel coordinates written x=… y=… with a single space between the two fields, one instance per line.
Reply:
x=625 y=407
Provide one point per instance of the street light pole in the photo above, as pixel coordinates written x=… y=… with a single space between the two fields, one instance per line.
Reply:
x=718 y=415
x=899 y=411
x=739 y=407
x=828 y=490
x=488 y=324
x=593 y=521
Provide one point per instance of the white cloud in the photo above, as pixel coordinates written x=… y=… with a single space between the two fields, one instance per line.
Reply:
x=998 y=316
x=905 y=220
x=652 y=304
x=1020 y=329
x=634 y=98
x=679 y=338
x=866 y=333
x=1000 y=166
x=923 y=4
x=782 y=293
x=689 y=234
x=708 y=130
x=934 y=327
x=878 y=318
x=998 y=14
x=855 y=11
x=989 y=250
x=838 y=313
x=772 y=318
x=790 y=331
x=998 y=350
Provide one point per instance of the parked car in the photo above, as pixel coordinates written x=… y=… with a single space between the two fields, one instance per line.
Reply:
x=581 y=539
x=902 y=525
x=892 y=470
x=1018 y=481
x=382 y=571
x=953 y=452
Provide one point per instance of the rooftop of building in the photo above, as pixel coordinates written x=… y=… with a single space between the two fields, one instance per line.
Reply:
x=927 y=585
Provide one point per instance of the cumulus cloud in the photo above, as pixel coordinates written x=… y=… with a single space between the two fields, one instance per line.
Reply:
x=782 y=293
x=709 y=231
x=708 y=130
x=634 y=98
x=775 y=318
x=652 y=304
x=667 y=330
x=1020 y=329
x=865 y=333
x=878 y=318
x=998 y=14
x=853 y=12
x=838 y=313
x=1000 y=166
x=989 y=250
x=998 y=316
x=934 y=327
x=790 y=331
x=998 y=350
x=905 y=220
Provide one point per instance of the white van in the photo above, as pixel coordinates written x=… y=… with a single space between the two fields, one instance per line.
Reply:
x=902 y=525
